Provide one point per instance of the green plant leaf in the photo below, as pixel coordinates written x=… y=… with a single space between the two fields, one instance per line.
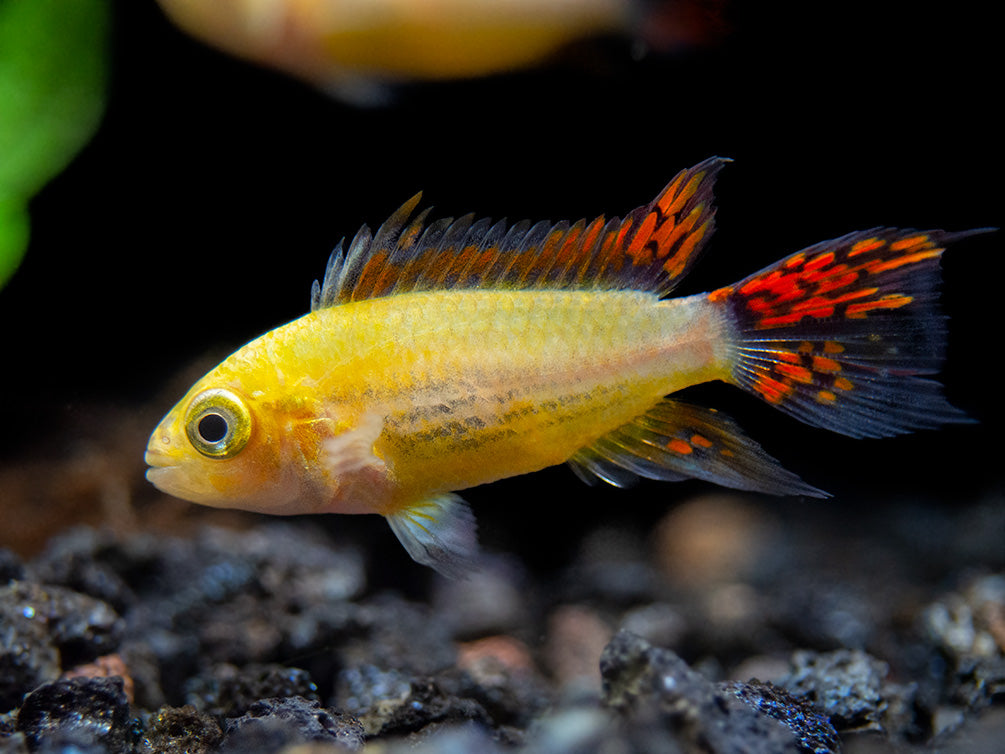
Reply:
x=52 y=83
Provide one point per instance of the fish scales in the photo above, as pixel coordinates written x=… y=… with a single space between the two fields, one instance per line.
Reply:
x=443 y=356
x=482 y=387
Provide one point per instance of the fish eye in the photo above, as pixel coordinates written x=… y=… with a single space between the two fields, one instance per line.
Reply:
x=218 y=423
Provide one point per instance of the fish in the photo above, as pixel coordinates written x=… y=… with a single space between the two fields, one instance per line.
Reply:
x=442 y=355
x=360 y=51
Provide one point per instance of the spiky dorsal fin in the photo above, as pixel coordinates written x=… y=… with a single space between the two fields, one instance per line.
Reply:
x=651 y=249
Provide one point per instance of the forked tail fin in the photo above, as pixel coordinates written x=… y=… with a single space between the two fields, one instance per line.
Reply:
x=841 y=334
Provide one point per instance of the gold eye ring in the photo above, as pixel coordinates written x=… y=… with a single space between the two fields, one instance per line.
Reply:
x=218 y=423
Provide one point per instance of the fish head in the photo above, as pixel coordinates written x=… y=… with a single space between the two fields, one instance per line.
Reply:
x=218 y=447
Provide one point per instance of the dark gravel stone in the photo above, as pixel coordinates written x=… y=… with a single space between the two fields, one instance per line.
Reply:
x=967 y=629
x=812 y=729
x=81 y=627
x=89 y=561
x=44 y=629
x=849 y=686
x=27 y=656
x=88 y=714
x=179 y=730
x=271 y=724
x=228 y=691
x=655 y=689
x=392 y=703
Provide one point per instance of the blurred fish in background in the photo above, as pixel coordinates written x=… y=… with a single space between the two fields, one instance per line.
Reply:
x=357 y=49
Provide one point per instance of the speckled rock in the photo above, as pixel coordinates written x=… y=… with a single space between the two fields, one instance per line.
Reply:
x=228 y=691
x=850 y=687
x=90 y=714
x=656 y=690
x=271 y=724
x=179 y=730
x=390 y=703
x=27 y=656
x=89 y=561
x=81 y=627
x=967 y=628
x=44 y=629
x=812 y=729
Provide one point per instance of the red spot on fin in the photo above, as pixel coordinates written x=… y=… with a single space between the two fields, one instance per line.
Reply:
x=840 y=334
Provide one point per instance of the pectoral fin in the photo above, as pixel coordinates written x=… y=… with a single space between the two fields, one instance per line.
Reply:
x=440 y=533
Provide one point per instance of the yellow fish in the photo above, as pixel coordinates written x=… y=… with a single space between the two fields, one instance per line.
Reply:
x=440 y=356
x=356 y=48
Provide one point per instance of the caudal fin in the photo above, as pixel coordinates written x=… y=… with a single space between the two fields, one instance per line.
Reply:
x=841 y=334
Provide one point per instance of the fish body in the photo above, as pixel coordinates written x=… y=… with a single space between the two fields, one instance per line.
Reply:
x=350 y=46
x=355 y=48
x=442 y=356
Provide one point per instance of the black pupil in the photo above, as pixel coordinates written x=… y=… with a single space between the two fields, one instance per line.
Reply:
x=212 y=428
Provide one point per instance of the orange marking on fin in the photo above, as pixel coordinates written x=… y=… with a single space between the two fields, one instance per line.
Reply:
x=701 y=441
x=821 y=260
x=386 y=280
x=567 y=252
x=626 y=225
x=826 y=396
x=842 y=384
x=789 y=356
x=640 y=238
x=906 y=243
x=798 y=373
x=761 y=282
x=665 y=231
x=679 y=446
x=720 y=294
x=861 y=247
x=805 y=347
x=592 y=232
x=686 y=193
x=773 y=391
x=669 y=195
x=825 y=365
x=882 y=265
x=683 y=229
x=370 y=274
x=838 y=282
x=481 y=263
x=678 y=260
x=410 y=235
x=795 y=259
x=831 y=346
x=893 y=301
x=607 y=255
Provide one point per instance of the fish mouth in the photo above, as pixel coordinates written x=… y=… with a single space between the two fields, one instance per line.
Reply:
x=162 y=469
x=160 y=466
x=160 y=463
x=157 y=460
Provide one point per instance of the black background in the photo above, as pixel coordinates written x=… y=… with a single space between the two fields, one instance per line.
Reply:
x=211 y=196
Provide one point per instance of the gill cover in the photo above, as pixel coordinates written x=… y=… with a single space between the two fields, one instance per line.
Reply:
x=218 y=423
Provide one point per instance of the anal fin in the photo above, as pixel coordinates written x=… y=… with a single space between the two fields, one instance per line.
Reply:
x=675 y=441
x=439 y=532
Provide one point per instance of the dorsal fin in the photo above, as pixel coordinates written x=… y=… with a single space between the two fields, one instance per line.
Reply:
x=651 y=249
